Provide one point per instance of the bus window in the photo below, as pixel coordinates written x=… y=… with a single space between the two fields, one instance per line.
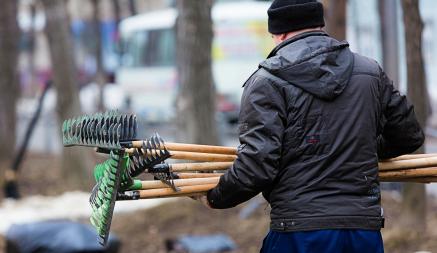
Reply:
x=153 y=48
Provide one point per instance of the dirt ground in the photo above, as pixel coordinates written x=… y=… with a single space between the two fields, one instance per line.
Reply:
x=147 y=230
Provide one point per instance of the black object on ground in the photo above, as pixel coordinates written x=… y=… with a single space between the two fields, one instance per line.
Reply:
x=57 y=236
x=201 y=244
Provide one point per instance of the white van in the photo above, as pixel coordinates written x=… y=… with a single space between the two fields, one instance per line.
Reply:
x=147 y=73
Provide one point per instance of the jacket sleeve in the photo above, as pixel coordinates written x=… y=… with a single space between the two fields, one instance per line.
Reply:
x=401 y=132
x=261 y=126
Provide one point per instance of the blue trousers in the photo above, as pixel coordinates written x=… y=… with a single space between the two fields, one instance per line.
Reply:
x=324 y=241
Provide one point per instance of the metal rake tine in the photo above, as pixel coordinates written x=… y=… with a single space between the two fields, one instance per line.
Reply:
x=167 y=178
x=117 y=136
x=94 y=133
x=140 y=157
x=71 y=130
x=80 y=130
x=101 y=131
x=122 y=123
x=159 y=139
x=113 y=135
x=110 y=136
x=152 y=150
x=126 y=128
x=68 y=132
x=74 y=130
x=64 y=133
x=157 y=145
x=134 y=127
x=160 y=144
x=146 y=151
x=107 y=114
x=88 y=132
x=105 y=132
x=129 y=127
x=93 y=196
x=98 y=134
x=113 y=119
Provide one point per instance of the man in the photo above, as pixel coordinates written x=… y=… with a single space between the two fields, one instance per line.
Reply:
x=315 y=118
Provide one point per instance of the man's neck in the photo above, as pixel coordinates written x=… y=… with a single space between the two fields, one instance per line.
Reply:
x=295 y=33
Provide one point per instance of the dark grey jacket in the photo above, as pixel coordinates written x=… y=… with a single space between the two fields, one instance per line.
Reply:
x=315 y=118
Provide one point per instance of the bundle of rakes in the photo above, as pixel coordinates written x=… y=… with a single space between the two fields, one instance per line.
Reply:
x=129 y=157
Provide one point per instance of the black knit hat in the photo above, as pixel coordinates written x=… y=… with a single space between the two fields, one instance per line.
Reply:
x=292 y=15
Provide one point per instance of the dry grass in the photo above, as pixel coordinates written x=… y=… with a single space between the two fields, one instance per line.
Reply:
x=398 y=239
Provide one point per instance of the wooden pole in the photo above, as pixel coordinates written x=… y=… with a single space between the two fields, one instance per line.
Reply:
x=208 y=166
x=201 y=157
x=147 y=185
x=409 y=157
x=408 y=164
x=198 y=175
x=168 y=192
x=192 y=148
x=410 y=173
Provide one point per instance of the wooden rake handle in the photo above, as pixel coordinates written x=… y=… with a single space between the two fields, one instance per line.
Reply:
x=422 y=180
x=193 y=148
x=410 y=173
x=198 y=175
x=410 y=157
x=207 y=157
x=207 y=166
x=168 y=192
x=408 y=164
x=147 y=185
x=192 y=156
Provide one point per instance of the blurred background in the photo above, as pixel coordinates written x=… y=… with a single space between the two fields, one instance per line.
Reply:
x=179 y=66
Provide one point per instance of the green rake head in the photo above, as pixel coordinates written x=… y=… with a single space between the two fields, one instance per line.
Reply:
x=114 y=132
x=114 y=177
x=110 y=176
x=104 y=130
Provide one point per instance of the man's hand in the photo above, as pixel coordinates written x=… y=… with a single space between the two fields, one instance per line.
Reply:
x=202 y=199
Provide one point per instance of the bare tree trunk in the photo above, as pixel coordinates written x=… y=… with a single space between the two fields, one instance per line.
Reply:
x=117 y=12
x=414 y=195
x=75 y=161
x=9 y=38
x=116 y=8
x=196 y=98
x=31 y=53
x=335 y=16
x=133 y=7
x=388 y=13
x=100 y=75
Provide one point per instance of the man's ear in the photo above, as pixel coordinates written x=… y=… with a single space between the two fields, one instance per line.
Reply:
x=283 y=36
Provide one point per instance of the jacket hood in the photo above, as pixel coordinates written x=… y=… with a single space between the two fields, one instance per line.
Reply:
x=314 y=62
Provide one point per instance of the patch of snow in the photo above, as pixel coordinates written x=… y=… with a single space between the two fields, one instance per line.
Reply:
x=70 y=205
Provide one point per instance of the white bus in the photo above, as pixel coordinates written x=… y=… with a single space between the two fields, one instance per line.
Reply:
x=147 y=74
